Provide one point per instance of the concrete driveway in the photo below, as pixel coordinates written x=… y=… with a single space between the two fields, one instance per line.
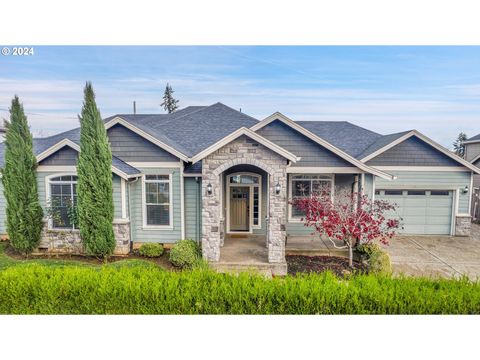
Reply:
x=444 y=256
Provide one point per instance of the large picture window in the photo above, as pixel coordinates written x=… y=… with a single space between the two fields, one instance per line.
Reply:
x=305 y=185
x=63 y=201
x=158 y=200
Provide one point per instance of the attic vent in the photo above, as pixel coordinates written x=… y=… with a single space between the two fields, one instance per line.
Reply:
x=251 y=141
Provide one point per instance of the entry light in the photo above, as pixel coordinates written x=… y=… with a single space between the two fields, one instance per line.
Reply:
x=209 y=189
x=465 y=189
x=277 y=189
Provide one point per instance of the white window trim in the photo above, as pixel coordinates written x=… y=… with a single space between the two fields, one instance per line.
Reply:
x=144 y=204
x=292 y=219
x=48 y=182
x=251 y=226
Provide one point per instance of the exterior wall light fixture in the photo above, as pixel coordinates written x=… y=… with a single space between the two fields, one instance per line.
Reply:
x=277 y=189
x=465 y=190
x=209 y=189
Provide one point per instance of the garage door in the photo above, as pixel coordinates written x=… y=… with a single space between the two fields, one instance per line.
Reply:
x=422 y=211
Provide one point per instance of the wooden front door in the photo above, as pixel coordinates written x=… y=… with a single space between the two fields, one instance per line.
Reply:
x=240 y=208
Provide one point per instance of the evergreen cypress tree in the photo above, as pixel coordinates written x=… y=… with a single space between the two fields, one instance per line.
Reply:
x=458 y=145
x=94 y=188
x=24 y=213
x=169 y=103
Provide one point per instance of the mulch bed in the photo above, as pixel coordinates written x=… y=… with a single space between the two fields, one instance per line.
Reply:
x=298 y=264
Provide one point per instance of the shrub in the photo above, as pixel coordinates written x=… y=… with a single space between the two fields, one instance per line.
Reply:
x=185 y=254
x=36 y=289
x=377 y=258
x=151 y=250
x=95 y=188
x=23 y=211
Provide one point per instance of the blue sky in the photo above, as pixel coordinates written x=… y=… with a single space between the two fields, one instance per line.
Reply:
x=386 y=89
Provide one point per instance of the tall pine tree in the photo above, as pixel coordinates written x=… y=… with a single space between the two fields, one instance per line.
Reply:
x=459 y=146
x=24 y=213
x=169 y=103
x=94 y=189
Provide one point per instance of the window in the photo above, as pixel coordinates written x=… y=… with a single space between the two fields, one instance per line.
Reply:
x=439 y=192
x=244 y=179
x=306 y=185
x=416 y=192
x=256 y=207
x=393 y=192
x=158 y=200
x=63 y=201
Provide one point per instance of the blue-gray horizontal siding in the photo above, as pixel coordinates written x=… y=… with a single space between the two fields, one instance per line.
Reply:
x=296 y=228
x=425 y=180
x=64 y=156
x=193 y=210
x=472 y=151
x=130 y=146
x=141 y=234
x=412 y=152
x=312 y=154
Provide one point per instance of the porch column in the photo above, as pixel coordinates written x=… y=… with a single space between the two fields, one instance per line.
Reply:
x=210 y=214
x=277 y=215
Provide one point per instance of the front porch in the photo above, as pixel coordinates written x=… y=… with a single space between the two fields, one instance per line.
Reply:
x=247 y=252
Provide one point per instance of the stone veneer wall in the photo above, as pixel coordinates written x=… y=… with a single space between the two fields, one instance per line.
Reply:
x=463 y=225
x=69 y=241
x=243 y=151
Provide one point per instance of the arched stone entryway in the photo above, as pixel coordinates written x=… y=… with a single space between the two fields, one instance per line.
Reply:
x=238 y=152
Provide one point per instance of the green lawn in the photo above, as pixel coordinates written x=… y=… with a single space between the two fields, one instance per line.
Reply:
x=7 y=262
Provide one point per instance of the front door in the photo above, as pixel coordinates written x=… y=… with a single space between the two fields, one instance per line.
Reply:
x=239 y=208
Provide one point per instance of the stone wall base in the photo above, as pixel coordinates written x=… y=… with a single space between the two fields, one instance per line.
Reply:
x=463 y=225
x=69 y=241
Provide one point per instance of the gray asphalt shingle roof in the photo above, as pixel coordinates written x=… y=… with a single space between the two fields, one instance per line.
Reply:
x=195 y=128
x=348 y=137
x=473 y=138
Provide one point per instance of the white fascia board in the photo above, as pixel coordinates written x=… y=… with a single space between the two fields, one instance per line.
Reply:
x=424 y=168
x=471 y=141
x=475 y=159
x=289 y=122
x=429 y=141
x=251 y=134
x=118 y=120
x=323 y=170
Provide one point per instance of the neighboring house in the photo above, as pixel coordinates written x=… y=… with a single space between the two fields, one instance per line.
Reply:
x=472 y=154
x=205 y=172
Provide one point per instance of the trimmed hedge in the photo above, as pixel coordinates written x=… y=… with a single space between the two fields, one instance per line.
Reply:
x=185 y=254
x=151 y=250
x=35 y=289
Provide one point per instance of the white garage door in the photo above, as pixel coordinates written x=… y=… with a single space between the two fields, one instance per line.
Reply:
x=422 y=211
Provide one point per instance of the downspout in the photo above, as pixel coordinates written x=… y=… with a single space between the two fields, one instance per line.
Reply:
x=197 y=212
x=129 y=211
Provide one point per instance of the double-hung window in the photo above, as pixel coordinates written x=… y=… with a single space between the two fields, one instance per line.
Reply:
x=158 y=195
x=304 y=186
x=63 y=201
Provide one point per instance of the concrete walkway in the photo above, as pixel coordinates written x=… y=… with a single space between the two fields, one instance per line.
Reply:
x=437 y=256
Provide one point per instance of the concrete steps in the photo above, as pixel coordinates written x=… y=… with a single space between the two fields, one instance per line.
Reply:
x=261 y=268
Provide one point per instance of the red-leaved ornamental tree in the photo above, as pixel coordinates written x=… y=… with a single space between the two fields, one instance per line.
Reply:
x=347 y=217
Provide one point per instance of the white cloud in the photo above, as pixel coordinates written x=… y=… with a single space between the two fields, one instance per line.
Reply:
x=52 y=105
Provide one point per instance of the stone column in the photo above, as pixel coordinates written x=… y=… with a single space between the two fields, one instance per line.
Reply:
x=277 y=216
x=210 y=214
